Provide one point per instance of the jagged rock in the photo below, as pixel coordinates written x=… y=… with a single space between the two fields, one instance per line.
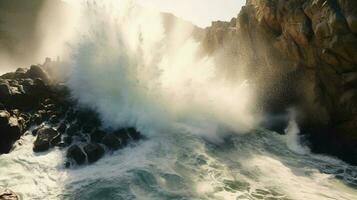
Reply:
x=6 y=194
x=299 y=52
x=94 y=152
x=45 y=136
x=111 y=141
x=75 y=152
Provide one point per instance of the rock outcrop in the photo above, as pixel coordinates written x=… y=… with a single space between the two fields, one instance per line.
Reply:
x=31 y=98
x=303 y=54
x=46 y=137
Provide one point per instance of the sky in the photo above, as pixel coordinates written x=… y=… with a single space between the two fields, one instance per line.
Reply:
x=199 y=12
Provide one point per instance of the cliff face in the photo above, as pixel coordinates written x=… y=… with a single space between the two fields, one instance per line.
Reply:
x=302 y=53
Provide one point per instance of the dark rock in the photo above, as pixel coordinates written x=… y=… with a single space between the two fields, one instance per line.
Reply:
x=87 y=116
x=34 y=131
x=94 y=152
x=87 y=128
x=56 y=140
x=67 y=164
x=4 y=117
x=2 y=107
x=71 y=115
x=10 y=131
x=44 y=138
x=62 y=145
x=134 y=134
x=54 y=119
x=44 y=115
x=15 y=129
x=111 y=141
x=36 y=119
x=36 y=72
x=73 y=129
x=75 y=152
x=4 y=90
x=62 y=128
x=123 y=135
x=97 y=136
x=67 y=140
x=6 y=194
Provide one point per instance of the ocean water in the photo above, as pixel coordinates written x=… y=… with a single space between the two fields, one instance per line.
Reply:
x=202 y=128
x=258 y=165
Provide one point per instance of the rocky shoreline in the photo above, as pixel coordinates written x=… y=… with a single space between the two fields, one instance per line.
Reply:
x=32 y=104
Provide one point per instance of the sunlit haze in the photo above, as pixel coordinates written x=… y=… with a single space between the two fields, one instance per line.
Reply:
x=200 y=12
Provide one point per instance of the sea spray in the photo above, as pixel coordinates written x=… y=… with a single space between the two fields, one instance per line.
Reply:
x=134 y=73
x=292 y=134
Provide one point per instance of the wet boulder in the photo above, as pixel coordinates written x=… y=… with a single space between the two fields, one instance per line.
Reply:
x=94 y=152
x=36 y=72
x=123 y=135
x=6 y=194
x=15 y=128
x=11 y=130
x=111 y=141
x=75 y=153
x=4 y=117
x=45 y=136
x=134 y=134
x=74 y=129
x=97 y=136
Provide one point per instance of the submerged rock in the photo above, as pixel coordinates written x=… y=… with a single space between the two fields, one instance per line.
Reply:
x=97 y=136
x=45 y=137
x=94 y=152
x=75 y=153
x=111 y=141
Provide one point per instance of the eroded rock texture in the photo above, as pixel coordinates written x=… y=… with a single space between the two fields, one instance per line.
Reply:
x=301 y=53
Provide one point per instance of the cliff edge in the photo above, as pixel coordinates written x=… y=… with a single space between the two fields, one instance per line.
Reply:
x=303 y=54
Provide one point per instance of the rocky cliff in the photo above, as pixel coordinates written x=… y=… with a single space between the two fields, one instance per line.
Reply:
x=302 y=54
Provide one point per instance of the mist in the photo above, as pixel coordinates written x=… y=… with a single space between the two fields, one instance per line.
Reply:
x=135 y=72
x=32 y=30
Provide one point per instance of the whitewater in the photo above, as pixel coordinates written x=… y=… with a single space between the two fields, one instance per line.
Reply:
x=203 y=135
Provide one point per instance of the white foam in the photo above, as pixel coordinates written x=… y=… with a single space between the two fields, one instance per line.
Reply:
x=127 y=68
